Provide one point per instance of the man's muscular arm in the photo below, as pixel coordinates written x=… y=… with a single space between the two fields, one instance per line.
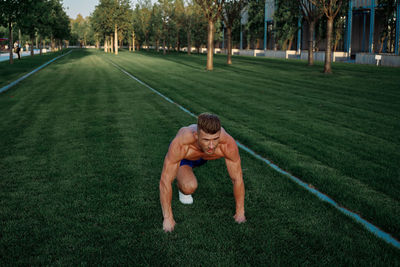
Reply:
x=169 y=172
x=233 y=164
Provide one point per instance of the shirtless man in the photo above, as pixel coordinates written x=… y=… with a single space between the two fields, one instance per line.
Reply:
x=192 y=147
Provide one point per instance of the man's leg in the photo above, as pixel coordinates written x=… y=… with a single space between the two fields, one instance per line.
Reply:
x=187 y=184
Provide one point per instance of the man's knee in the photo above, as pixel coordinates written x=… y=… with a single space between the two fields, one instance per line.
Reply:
x=188 y=188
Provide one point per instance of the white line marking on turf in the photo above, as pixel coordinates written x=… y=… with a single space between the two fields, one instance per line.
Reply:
x=369 y=226
x=5 y=88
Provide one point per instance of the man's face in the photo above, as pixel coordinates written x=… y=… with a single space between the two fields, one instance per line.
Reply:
x=208 y=142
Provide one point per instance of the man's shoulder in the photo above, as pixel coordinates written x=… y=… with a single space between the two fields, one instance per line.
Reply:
x=185 y=135
x=227 y=138
x=230 y=148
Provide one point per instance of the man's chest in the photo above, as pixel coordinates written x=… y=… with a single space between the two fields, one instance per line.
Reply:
x=195 y=154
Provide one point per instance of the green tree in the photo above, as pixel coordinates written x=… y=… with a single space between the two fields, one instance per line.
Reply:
x=29 y=22
x=387 y=11
x=44 y=25
x=312 y=13
x=255 y=25
x=199 y=31
x=231 y=13
x=141 y=21
x=109 y=18
x=11 y=11
x=121 y=19
x=59 y=24
x=286 y=20
x=156 y=26
x=130 y=31
x=339 y=26
x=168 y=23
x=212 y=10
x=81 y=30
x=189 y=21
x=101 y=22
x=178 y=17
x=330 y=8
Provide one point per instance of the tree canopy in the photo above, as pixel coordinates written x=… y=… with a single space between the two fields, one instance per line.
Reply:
x=44 y=18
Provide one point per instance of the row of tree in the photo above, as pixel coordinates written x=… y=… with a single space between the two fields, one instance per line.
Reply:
x=167 y=21
x=173 y=24
x=37 y=19
x=170 y=24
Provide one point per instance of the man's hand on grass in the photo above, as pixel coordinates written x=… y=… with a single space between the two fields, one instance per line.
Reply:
x=168 y=225
x=239 y=218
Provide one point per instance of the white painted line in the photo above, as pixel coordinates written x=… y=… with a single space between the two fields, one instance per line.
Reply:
x=5 y=88
x=369 y=226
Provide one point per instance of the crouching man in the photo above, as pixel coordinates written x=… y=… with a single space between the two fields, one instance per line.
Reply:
x=192 y=147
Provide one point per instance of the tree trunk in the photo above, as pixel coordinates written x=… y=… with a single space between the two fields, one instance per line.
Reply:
x=111 y=44
x=210 y=45
x=229 y=36
x=178 y=43
x=133 y=42
x=328 y=50
x=311 y=28
x=116 y=39
x=285 y=45
x=32 y=41
x=290 y=42
x=189 y=41
x=381 y=44
x=105 y=44
x=158 y=45
x=40 y=45
x=11 y=42
x=336 y=41
x=163 y=43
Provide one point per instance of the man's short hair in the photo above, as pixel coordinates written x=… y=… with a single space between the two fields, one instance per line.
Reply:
x=208 y=123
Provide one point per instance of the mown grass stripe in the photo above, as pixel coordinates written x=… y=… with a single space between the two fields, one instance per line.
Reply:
x=372 y=228
x=5 y=88
x=155 y=91
x=369 y=226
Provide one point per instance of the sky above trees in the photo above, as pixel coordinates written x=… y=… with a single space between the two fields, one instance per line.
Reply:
x=85 y=7
x=75 y=7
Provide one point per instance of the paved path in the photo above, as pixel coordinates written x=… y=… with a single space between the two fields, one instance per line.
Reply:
x=6 y=56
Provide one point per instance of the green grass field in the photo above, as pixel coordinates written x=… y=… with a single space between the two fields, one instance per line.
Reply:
x=82 y=148
x=23 y=66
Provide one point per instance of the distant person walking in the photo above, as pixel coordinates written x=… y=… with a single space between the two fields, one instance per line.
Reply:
x=17 y=50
